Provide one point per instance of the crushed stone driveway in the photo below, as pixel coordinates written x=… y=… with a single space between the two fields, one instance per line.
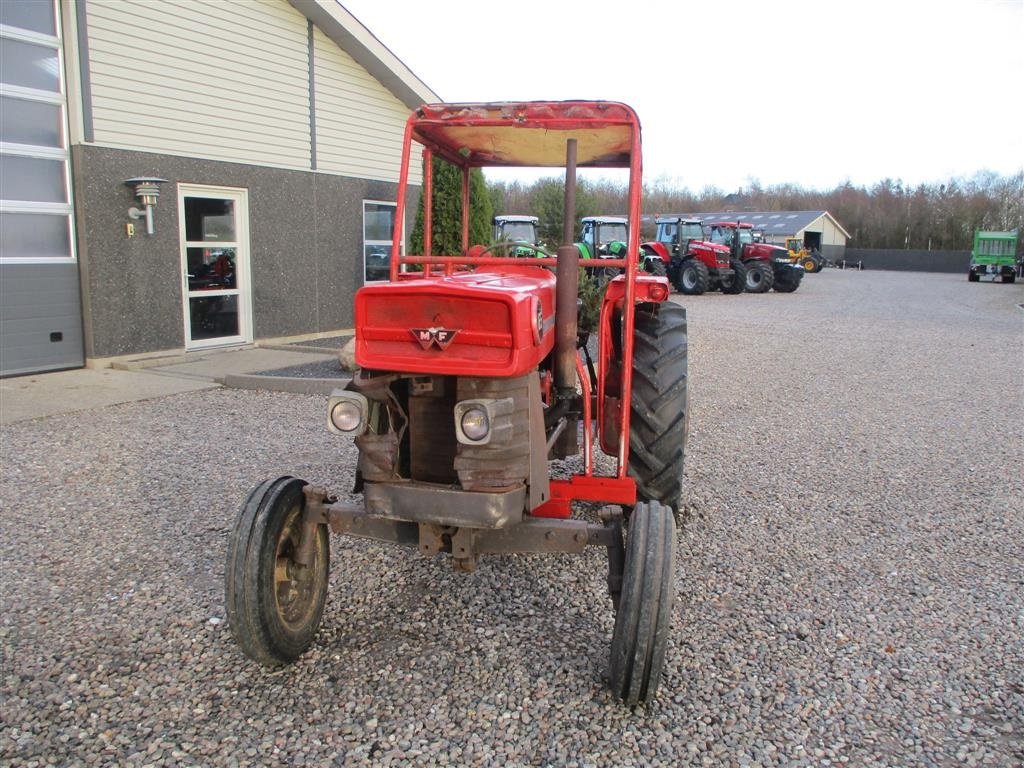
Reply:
x=850 y=581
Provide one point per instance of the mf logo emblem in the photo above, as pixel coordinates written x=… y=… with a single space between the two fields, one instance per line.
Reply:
x=430 y=336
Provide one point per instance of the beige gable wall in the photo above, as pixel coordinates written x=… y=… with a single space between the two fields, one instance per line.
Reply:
x=360 y=125
x=220 y=80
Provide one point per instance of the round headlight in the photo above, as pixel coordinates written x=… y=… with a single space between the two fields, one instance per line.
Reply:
x=346 y=416
x=475 y=424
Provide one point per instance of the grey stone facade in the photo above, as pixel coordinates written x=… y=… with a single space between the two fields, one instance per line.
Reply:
x=305 y=235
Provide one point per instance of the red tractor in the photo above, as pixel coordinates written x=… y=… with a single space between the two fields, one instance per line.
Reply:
x=695 y=265
x=470 y=383
x=768 y=266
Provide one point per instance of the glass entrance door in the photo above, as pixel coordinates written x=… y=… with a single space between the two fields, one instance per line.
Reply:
x=215 y=264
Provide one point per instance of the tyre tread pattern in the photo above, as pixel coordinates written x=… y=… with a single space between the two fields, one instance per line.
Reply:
x=642 y=624
x=659 y=417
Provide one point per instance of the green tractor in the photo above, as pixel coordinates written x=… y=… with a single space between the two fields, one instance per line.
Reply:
x=605 y=237
x=515 y=235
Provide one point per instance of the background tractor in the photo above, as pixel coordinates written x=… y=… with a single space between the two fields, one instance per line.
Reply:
x=695 y=265
x=470 y=383
x=604 y=237
x=768 y=266
x=518 y=230
x=994 y=254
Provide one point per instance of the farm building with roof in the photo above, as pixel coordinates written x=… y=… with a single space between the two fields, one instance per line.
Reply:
x=817 y=229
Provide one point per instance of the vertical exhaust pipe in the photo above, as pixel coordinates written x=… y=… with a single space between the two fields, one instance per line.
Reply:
x=566 y=315
x=567 y=289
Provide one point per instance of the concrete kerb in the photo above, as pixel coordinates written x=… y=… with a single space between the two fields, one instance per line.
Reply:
x=294 y=384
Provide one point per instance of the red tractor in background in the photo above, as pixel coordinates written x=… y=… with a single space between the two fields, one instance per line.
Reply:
x=768 y=266
x=695 y=265
x=470 y=382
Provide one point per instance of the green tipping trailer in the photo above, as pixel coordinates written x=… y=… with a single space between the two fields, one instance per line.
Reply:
x=994 y=255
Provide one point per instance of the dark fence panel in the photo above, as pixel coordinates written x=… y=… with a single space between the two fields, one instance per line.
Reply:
x=910 y=261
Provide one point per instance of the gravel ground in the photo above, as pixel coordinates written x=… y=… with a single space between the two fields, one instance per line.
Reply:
x=850 y=581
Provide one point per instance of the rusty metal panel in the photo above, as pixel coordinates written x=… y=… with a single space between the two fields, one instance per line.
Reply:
x=443 y=505
x=501 y=463
x=378 y=455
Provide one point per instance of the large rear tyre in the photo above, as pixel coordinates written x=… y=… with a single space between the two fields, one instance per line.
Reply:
x=736 y=284
x=1009 y=277
x=274 y=605
x=645 y=608
x=693 y=278
x=659 y=419
x=760 y=277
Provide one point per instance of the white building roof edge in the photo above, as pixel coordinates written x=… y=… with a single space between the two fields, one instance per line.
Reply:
x=349 y=34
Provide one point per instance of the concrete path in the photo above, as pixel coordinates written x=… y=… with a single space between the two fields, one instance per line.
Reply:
x=46 y=394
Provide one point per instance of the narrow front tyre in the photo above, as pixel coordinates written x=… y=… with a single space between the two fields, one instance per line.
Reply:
x=274 y=604
x=645 y=608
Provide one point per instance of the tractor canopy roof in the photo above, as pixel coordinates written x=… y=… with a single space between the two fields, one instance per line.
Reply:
x=670 y=219
x=531 y=133
x=515 y=218
x=604 y=220
x=731 y=224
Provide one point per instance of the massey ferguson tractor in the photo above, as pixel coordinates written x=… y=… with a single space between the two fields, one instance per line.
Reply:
x=470 y=384
x=768 y=266
x=695 y=265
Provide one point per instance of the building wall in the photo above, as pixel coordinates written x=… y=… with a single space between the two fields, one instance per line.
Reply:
x=231 y=82
x=201 y=79
x=306 y=238
x=360 y=126
x=830 y=233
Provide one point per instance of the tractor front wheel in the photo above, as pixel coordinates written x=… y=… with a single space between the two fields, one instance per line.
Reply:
x=693 y=278
x=811 y=264
x=659 y=419
x=645 y=608
x=274 y=604
x=760 y=277
x=738 y=282
x=788 y=280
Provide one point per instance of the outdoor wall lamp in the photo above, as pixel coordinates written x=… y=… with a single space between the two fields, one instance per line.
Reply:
x=147 y=189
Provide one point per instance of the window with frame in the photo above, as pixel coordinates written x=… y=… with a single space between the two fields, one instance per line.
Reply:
x=35 y=188
x=379 y=221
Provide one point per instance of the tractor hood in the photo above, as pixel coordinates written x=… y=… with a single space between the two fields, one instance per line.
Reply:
x=489 y=322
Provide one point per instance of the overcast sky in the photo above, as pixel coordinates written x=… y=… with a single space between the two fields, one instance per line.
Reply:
x=810 y=92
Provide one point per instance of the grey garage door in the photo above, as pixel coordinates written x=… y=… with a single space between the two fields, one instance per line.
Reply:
x=40 y=311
